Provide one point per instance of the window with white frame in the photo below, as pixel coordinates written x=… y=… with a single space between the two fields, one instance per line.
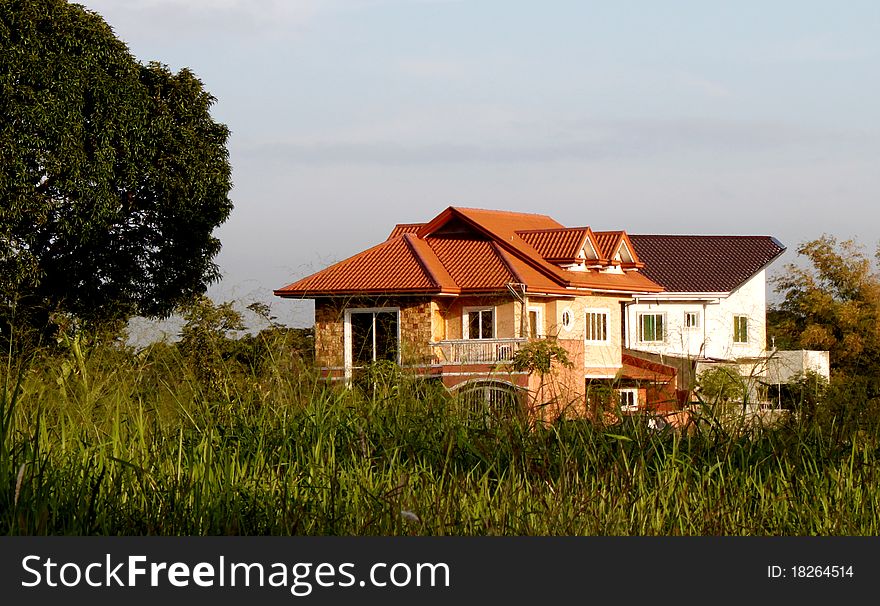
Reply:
x=479 y=323
x=373 y=335
x=691 y=320
x=652 y=328
x=740 y=329
x=596 y=326
x=629 y=400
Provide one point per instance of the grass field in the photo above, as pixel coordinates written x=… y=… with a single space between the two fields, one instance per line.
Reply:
x=108 y=442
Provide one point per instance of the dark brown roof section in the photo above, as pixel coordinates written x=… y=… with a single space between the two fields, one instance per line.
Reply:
x=704 y=263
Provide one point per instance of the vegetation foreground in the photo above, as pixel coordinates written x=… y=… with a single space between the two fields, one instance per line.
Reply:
x=102 y=440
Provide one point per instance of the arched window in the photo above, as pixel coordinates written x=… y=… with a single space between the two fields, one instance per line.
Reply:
x=488 y=402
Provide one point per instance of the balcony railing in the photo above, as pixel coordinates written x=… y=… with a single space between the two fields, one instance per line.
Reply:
x=477 y=351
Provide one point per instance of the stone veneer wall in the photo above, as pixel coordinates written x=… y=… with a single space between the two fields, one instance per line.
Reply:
x=329 y=346
x=415 y=328
x=415 y=331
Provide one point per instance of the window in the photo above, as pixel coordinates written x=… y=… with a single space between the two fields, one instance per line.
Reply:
x=629 y=400
x=373 y=336
x=567 y=319
x=651 y=328
x=596 y=326
x=479 y=323
x=691 y=320
x=488 y=403
x=536 y=326
x=740 y=329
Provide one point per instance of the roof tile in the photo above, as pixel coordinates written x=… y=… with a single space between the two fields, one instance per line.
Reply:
x=561 y=245
x=469 y=250
x=704 y=263
x=608 y=242
x=473 y=264
x=389 y=267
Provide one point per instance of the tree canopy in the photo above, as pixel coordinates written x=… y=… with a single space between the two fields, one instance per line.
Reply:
x=832 y=303
x=113 y=174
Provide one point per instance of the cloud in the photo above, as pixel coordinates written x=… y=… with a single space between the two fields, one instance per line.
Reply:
x=810 y=49
x=574 y=140
x=703 y=86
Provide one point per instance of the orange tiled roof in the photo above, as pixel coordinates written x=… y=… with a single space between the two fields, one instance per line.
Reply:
x=469 y=250
x=562 y=245
x=404 y=228
x=392 y=266
x=611 y=241
x=608 y=242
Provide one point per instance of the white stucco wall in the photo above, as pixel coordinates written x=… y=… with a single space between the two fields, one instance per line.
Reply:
x=713 y=338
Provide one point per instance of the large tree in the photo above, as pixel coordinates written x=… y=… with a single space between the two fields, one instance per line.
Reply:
x=832 y=303
x=113 y=174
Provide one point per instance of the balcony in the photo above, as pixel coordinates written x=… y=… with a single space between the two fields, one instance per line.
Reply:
x=477 y=351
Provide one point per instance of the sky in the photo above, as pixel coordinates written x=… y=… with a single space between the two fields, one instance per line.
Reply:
x=691 y=117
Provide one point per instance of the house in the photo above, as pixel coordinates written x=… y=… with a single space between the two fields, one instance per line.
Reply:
x=455 y=298
x=712 y=310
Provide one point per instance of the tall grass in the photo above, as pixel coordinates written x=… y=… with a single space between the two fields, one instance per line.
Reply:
x=108 y=442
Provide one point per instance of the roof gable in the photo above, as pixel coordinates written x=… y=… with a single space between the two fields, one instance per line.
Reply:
x=719 y=264
x=617 y=248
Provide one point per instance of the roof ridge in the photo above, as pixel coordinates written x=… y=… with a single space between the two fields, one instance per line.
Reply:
x=538 y=231
x=407 y=238
x=507 y=263
x=411 y=240
x=503 y=212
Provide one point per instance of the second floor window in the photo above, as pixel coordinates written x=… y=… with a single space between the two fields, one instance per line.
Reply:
x=740 y=329
x=596 y=326
x=651 y=327
x=480 y=323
